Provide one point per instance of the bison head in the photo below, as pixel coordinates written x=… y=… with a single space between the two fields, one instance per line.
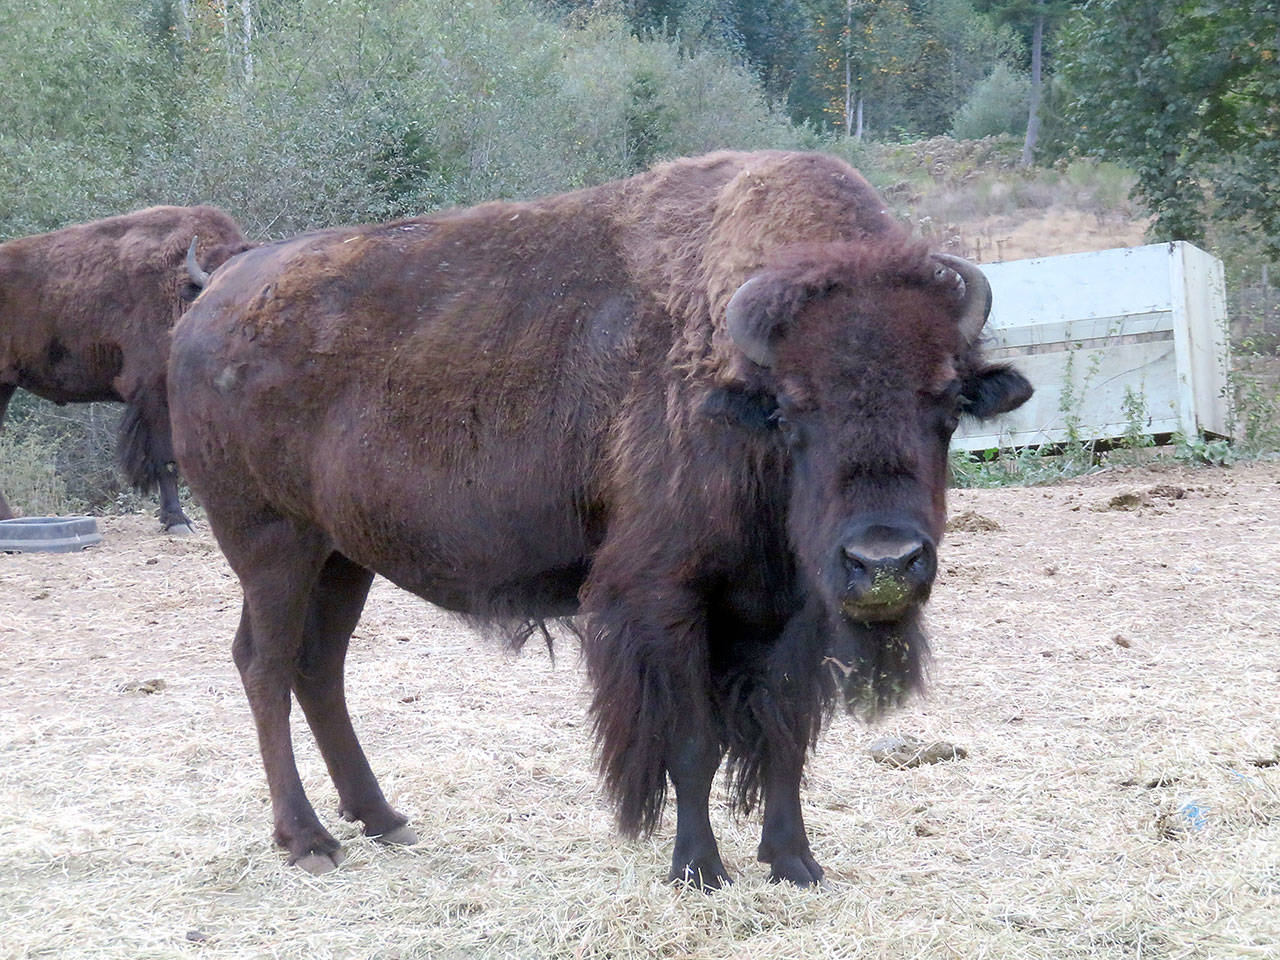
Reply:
x=197 y=277
x=867 y=360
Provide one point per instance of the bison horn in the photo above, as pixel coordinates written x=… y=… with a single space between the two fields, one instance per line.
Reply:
x=977 y=295
x=742 y=321
x=198 y=276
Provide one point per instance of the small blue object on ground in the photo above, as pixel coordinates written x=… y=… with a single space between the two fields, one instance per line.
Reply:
x=1196 y=814
x=50 y=534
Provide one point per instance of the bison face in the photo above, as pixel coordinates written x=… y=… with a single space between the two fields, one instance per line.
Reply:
x=868 y=366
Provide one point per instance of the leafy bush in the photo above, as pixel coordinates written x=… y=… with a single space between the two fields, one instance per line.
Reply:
x=997 y=105
x=422 y=104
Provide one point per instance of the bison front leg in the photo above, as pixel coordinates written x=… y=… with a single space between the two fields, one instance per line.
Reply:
x=784 y=845
x=146 y=453
x=172 y=519
x=692 y=764
x=647 y=655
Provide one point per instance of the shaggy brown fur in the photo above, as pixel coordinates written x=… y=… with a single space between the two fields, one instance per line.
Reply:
x=531 y=410
x=85 y=314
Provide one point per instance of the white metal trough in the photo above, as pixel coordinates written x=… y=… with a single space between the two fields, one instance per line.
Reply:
x=1115 y=342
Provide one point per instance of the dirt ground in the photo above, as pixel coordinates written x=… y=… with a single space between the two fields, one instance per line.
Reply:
x=1106 y=650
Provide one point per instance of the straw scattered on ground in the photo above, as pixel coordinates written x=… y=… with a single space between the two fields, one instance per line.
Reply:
x=1114 y=676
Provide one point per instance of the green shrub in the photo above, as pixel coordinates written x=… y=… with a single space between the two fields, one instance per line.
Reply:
x=996 y=105
x=355 y=111
x=29 y=479
x=60 y=458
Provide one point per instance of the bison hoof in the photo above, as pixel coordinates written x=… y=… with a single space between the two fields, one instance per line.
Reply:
x=800 y=869
x=179 y=530
x=706 y=876
x=404 y=836
x=318 y=863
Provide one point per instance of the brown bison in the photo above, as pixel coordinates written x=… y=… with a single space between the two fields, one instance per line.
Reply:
x=706 y=410
x=85 y=314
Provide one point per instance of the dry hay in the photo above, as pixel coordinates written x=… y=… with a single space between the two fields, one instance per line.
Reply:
x=1117 y=800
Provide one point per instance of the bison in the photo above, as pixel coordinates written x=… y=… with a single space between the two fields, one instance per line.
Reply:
x=85 y=314
x=703 y=411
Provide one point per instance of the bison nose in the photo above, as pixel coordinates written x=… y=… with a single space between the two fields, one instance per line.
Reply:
x=887 y=572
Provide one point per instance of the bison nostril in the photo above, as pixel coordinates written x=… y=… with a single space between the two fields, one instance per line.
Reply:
x=916 y=562
x=853 y=560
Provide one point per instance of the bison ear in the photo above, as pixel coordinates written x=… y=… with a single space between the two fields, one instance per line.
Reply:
x=994 y=390
x=754 y=318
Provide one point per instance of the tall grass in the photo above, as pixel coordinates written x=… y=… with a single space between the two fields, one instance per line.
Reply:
x=29 y=478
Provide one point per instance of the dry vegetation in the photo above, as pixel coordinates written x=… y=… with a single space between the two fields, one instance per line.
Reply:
x=971 y=198
x=1103 y=666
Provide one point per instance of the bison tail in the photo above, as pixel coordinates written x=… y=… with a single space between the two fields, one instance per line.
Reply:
x=143 y=450
x=646 y=684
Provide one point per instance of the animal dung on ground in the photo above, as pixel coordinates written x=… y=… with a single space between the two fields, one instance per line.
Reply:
x=154 y=685
x=908 y=751
x=970 y=521
x=1271 y=761
x=1133 y=499
x=1130 y=500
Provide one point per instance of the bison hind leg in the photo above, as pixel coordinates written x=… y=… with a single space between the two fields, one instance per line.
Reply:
x=262 y=650
x=334 y=608
x=145 y=450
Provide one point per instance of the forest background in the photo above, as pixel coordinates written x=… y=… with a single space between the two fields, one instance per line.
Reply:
x=296 y=114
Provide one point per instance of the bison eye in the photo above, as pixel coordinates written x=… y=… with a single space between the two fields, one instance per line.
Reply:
x=948 y=405
x=787 y=428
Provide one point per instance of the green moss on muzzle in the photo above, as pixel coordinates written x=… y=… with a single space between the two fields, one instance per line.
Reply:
x=886 y=590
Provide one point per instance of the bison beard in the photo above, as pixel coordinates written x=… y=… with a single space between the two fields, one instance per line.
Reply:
x=705 y=411
x=821 y=662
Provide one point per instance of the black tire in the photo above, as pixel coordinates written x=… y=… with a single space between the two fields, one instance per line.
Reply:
x=50 y=534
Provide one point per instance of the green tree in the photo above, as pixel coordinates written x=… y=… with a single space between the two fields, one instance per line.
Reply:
x=1188 y=94
x=995 y=106
x=85 y=97
x=897 y=66
x=1033 y=19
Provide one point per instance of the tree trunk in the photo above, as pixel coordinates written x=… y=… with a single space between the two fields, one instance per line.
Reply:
x=226 y=36
x=848 y=67
x=1033 y=114
x=246 y=34
x=857 y=130
x=184 y=20
x=848 y=97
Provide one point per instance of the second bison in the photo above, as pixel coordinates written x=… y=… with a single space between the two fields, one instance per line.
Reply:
x=706 y=410
x=85 y=314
